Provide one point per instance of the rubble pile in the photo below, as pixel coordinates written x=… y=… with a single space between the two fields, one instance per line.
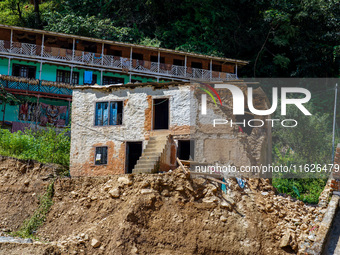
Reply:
x=169 y=213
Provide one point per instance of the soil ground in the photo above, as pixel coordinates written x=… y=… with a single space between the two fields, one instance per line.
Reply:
x=167 y=213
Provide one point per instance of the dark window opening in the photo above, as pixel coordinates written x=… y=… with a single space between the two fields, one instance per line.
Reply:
x=112 y=52
x=161 y=113
x=137 y=56
x=196 y=65
x=155 y=59
x=112 y=80
x=64 y=76
x=185 y=149
x=24 y=71
x=244 y=119
x=109 y=113
x=90 y=47
x=26 y=38
x=178 y=62
x=133 y=153
x=117 y=53
x=101 y=156
x=216 y=68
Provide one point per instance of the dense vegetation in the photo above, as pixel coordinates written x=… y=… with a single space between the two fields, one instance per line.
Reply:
x=280 y=39
x=47 y=146
x=310 y=142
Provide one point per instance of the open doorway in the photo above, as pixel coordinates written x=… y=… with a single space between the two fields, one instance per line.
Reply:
x=185 y=149
x=161 y=113
x=133 y=153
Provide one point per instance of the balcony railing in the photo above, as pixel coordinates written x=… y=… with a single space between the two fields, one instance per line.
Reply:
x=124 y=64
x=13 y=82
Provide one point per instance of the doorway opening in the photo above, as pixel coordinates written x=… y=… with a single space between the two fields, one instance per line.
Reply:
x=133 y=153
x=161 y=113
x=185 y=149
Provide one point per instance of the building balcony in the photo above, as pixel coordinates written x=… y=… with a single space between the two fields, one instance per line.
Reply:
x=24 y=86
x=121 y=64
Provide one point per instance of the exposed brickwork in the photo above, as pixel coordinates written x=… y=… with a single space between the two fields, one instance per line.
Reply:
x=148 y=115
x=115 y=162
x=180 y=130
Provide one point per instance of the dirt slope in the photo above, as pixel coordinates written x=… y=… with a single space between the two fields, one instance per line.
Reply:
x=155 y=214
x=21 y=182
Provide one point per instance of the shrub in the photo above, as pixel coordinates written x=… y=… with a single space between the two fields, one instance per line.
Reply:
x=46 y=146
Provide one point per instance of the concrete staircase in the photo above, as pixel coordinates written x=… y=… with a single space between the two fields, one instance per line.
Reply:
x=149 y=160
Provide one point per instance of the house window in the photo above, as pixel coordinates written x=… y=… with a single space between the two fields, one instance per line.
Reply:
x=101 y=155
x=155 y=59
x=196 y=65
x=178 y=62
x=64 y=76
x=216 y=68
x=137 y=56
x=75 y=78
x=109 y=113
x=112 y=80
x=112 y=52
x=24 y=71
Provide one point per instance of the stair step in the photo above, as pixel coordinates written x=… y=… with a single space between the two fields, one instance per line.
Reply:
x=152 y=151
x=151 y=154
x=145 y=169
x=146 y=164
x=148 y=159
x=142 y=170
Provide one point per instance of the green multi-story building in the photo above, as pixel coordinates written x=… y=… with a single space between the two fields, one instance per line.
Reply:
x=41 y=68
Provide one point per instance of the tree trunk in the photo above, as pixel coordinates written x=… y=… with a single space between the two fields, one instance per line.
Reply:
x=37 y=14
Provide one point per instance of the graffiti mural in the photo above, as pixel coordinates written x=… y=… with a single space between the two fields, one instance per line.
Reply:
x=45 y=114
x=53 y=115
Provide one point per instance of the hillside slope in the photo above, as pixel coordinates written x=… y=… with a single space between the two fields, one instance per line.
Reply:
x=152 y=214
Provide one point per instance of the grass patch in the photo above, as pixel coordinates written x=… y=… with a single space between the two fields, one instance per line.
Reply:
x=30 y=225
x=46 y=146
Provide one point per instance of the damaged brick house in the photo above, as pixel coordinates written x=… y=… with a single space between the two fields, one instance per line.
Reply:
x=135 y=128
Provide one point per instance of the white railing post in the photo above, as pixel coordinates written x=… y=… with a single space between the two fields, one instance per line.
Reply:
x=130 y=61
x=236 y=70
x=102 y=55
x=40 y=71
x=185 y=66
x=42 y=45
x=73 y=48
x=210 y=69
x=158 y=63
x=71 y=74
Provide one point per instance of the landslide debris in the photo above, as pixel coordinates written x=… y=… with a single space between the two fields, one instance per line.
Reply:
x=169 y=213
